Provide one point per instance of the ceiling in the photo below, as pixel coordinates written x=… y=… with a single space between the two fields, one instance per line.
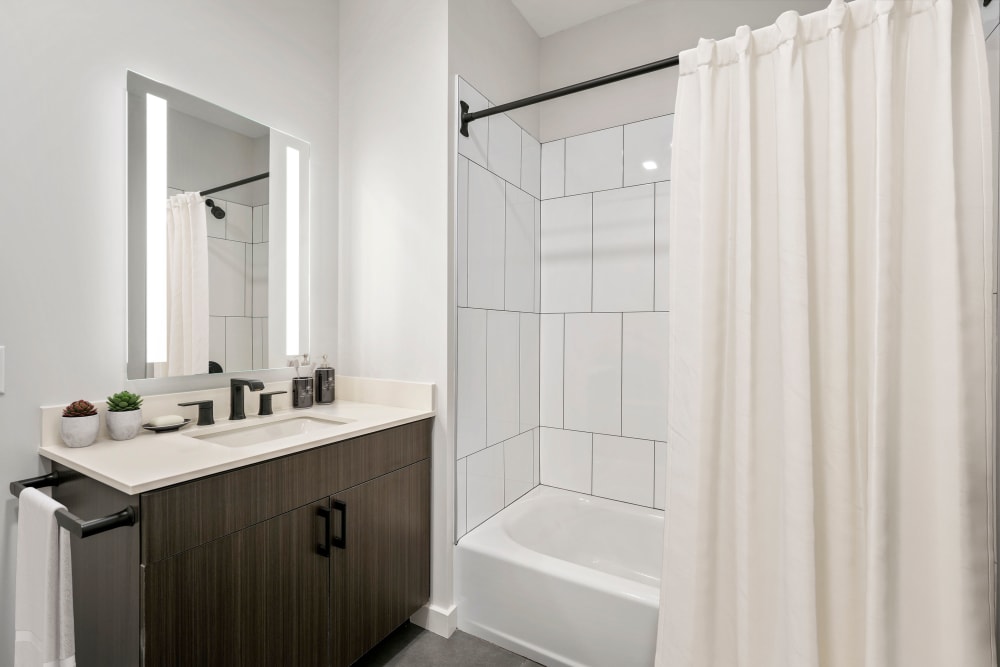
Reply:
x=551 y=16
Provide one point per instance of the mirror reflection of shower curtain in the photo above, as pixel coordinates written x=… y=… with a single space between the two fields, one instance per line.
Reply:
x=187 y=285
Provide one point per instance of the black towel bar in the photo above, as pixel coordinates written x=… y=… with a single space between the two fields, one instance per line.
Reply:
x=66 y=519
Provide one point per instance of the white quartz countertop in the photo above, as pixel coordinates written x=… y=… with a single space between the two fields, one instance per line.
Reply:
x=156 y=460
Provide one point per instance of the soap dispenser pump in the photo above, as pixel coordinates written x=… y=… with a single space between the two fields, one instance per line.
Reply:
x=325 y=383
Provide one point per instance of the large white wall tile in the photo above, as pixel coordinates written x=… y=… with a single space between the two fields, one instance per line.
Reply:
x=623 y=469
x=554 y=169
x=266 y=362
x=462 y=232
x=528 y=377
x=534 y=438
x=258 y=267
x=593 y=373
x=485 y=483
x=660 y=475
x=519 y=256
x=474 y=146
x=258 y=224
x=217 y=340
x=623 y=249
x=239 y=223
x=550 y=403
x=647 y=150
x=661 y=247
x=644 y=375
x=461 y=497
x=566 y=459
x=567 y=253
x=470 y=430
x=248 y=284
x=538 y=256
x=504 y=158
x=502 y=370
x=594 y=161
x=993 y=67
x=239 y=344
x=257 y=344
x=226 y=277
x=531 y=165
x=487 y=210
x=991 y=19
x=518 y=453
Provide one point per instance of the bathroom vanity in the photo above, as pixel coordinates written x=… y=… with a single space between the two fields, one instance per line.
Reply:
x=302 y=552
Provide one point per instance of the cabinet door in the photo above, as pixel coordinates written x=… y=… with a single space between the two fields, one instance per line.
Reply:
x=286 y=584
x=381 y=574
x=192 y=604
x=259 y=596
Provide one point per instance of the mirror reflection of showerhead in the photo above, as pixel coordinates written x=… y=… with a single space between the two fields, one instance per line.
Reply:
x=217 y=211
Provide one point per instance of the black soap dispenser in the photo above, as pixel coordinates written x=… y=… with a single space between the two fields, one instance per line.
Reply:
x=302 y=387
x=325 y=383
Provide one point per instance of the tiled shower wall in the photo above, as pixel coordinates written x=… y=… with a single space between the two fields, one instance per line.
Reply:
x=604 y=312
x=498 y=323
x=237 y=302
x=562 y=313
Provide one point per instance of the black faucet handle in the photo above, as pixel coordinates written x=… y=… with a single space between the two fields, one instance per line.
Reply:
x=206 y=411
x=265 y=402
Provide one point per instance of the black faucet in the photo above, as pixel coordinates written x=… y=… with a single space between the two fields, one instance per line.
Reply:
x=236 y=395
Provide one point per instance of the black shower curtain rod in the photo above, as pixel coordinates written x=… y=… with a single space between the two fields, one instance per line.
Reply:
x=251 y=179
x=560 y=92
x=467 y=117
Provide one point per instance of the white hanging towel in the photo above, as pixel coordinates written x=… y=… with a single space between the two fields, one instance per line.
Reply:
x=43 y=593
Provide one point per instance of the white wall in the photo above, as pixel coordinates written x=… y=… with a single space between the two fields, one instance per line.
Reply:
x=643 y=33
x=491 y=46
x=203 y=155
x=62 y=183
x=394 y=253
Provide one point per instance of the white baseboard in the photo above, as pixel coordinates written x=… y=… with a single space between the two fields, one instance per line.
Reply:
x=439 y=620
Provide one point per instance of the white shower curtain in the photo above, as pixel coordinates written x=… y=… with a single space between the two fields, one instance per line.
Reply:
x=187 y=285
x=829 y=494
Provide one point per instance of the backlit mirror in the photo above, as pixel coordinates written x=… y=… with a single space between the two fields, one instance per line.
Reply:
x=218 y=233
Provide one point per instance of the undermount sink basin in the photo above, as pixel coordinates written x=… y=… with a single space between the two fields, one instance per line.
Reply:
x=255 y=434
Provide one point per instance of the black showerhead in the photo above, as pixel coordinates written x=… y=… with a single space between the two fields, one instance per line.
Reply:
x=217 y=211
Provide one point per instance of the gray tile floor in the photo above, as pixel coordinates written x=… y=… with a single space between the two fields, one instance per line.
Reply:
x=412 y=645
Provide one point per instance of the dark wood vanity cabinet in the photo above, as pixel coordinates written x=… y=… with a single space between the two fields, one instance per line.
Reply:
x=238 y=569
x=383 y=572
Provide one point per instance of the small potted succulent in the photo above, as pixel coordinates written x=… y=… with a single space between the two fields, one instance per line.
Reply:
x=124 y=415
x=80 y=424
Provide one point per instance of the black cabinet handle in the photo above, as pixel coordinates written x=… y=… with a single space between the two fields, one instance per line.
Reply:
x=341 y=542
x=323 y=548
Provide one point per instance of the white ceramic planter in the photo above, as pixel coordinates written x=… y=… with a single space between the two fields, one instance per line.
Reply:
x=123 y=425
x=80 y=431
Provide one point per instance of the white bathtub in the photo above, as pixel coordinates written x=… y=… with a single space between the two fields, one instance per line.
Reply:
x=564 y=579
